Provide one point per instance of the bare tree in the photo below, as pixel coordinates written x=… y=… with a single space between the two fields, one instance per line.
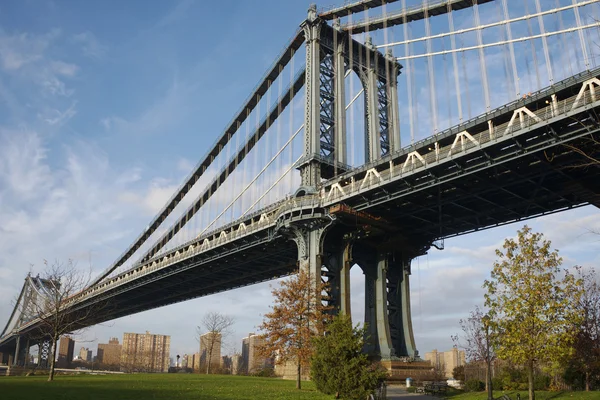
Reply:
x=478 y=347
x=61 y=281
x=217 y=327
x=586 y=349
x=589 y=150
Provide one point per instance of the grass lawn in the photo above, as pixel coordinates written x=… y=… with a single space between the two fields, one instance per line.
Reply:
x=154 y=387
x=525 y=395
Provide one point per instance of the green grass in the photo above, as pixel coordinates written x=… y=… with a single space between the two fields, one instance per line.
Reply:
x=524 y=395
x=154 y=387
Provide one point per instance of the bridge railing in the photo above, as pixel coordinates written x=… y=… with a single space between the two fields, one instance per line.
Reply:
x=415 y=161
x=259 y=221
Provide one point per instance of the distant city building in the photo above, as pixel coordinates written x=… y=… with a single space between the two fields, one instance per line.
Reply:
x=145 y=352
x=226 y=363
x=237 y=364
x=252 y=360
x=207 y=341
x=196 y=362
x=85 y=354
x=446 y=361
x=110 y=353
x=66 y=348
x=185 y=361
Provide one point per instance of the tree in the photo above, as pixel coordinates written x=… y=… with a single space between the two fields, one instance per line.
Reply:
x=217 y=327
x=338 y=365
x=530 y=304
x=586 y=354
x=458 y=373
x=297 y=316
x=62 y=281
x=478 y=334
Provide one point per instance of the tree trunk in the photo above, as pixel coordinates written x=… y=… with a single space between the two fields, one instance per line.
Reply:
x=52 y=358
x=208 y=358
x=530 y=379
x=488 y=380
x=298 y=377
x=587 y=381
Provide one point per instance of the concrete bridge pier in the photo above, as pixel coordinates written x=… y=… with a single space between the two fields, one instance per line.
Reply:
x=387 y=303
x=327 y=249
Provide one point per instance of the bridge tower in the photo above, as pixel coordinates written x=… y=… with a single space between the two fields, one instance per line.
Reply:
x=329 y=246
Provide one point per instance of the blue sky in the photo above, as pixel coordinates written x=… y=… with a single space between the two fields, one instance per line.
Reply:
x=106 y=106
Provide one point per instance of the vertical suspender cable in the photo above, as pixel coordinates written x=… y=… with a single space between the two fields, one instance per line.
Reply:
x=408 y=73
x=592 y=58
x=511 y=50
x=237 y=168
x=247 y=160
x=538 y=8
x=455 y=63
x=586 y=59
x=291 y=118
x=352 y=114
x=482 y=66
x=565 y=46
x=506 y=60
x=466 y=80
x=279 y=132
x=430 y=69
x=533 y=51
x=447 y=84
x=256 y=168
x=268 y=134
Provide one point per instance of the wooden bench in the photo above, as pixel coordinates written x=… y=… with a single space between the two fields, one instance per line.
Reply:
x=435 y=388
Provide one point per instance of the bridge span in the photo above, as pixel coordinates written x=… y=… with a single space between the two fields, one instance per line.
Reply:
x=515 y=162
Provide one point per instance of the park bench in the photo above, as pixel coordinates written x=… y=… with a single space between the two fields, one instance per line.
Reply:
x=503 y=397
x=436 y=388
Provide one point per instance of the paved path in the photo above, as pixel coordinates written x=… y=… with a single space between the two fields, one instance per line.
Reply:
x=399 y=393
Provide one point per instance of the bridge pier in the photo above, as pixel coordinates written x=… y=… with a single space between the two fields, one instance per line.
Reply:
x=328 y=248
x=387 y=303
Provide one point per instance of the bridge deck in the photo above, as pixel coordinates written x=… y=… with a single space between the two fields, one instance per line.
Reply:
x=515 y=173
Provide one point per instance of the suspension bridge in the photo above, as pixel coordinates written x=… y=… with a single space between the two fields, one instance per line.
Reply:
x=381 y=129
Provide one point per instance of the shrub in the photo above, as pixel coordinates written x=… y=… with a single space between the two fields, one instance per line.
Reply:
x=474 y=385
x=338 y=364
x=497 y=383
x=411 y=389
x=266 y=372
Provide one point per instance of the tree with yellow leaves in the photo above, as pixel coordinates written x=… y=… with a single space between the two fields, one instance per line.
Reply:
x=297 y=316
x=531 y=302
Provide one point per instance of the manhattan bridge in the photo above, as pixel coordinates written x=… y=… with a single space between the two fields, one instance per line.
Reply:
x=381 y=129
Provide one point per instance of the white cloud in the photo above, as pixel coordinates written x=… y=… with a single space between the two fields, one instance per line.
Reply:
x=63 y=68
x=90 y=45
x=19 y=50
x=57 y=117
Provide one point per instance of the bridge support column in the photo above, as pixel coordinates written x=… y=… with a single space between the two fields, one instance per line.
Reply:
x=337 y=262
x=378 y=343
x=393 y=111
x=373 y=135
x=339 y=99
x=388 y=320
x=44 y=354
x=310 y=170
x=21 y=352
x=398 y=300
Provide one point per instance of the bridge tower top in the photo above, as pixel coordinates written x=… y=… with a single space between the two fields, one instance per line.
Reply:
x=330 y=55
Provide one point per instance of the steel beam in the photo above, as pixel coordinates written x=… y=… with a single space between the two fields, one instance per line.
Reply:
x=416 y=13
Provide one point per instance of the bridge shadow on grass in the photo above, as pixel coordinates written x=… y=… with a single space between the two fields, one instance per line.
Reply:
x=155 y=387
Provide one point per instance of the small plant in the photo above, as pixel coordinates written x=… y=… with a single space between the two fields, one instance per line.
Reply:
x=474 y=385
